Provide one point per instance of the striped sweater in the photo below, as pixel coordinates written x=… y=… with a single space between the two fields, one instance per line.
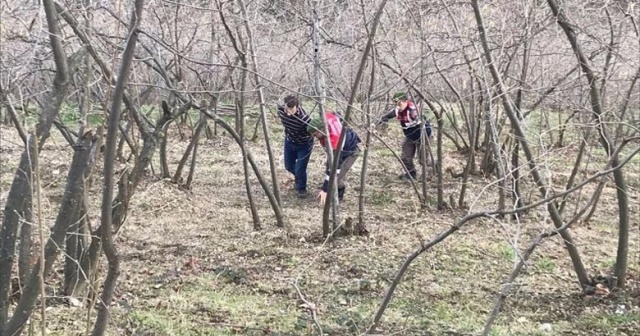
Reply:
x=295 y=126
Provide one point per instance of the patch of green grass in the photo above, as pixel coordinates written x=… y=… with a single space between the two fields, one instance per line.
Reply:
x=460 y=314
x=70 y=115
x=293 y=261
x=506 y=252
x=606 y=227
x=156 y=322
x=382 y=152
x=380 y=198
x=608 y=264
x=546 y=265
x=611 y=321
x=211 y=307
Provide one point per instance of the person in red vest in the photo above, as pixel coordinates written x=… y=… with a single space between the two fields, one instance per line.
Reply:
x=348 y=154
x=412 y=126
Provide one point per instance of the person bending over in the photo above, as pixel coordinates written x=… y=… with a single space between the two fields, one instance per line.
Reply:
x=348 y=154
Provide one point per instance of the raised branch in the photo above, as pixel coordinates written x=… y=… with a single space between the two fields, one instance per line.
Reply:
x=463 y=221
x=509 y=284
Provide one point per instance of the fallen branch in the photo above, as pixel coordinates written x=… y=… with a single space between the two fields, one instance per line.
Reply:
x=313 y=311
x=461 y=222
x=508 y=285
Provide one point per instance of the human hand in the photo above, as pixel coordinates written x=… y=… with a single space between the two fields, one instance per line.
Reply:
x=323 y=197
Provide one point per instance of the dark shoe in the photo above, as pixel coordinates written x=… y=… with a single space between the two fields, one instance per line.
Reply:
x=341 y=193
x=407 y=176
x=302 y=194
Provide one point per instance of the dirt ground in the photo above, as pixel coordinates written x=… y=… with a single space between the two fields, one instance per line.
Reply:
x=192 y=265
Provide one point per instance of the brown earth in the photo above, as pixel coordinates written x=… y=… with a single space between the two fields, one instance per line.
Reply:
x=193 y=266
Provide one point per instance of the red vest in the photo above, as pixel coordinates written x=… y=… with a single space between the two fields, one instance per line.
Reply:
x=405 y=116
x=335 y=127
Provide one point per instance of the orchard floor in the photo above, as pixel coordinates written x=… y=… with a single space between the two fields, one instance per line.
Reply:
x=193 y=265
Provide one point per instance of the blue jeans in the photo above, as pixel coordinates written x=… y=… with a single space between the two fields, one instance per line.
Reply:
x=296 y=159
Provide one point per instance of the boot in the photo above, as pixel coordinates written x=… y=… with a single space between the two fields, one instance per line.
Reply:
x=406 y=176
x=341 y=193
x=302 y=194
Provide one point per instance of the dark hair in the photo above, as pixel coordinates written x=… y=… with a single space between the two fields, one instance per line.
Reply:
x=291 y=101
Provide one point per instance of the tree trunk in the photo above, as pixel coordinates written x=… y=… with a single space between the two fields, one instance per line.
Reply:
x=318 y=85
x=77 y=244
x=574 y=171
x=243 y=147
x=263 y=110
x=202 y=121
x=424 y=142
x=66 y=215
x=471 y=162
x=240 y=104
x=515 y=155
x=347 y=114
x=19 y=198
x=497 y=161
x=78 y=249
x=192 y=168
x=106 y=224
x=605 y=141
x=164 y=166
x=280 y=222
x=580 y=270
x=77 y=236
x=24 y=248
x=488 y=164
x=367 y=143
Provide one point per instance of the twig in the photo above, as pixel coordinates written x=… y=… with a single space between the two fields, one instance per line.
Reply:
x=36 y=171
x=508 y=286
x=310 y=306
x=14 y=117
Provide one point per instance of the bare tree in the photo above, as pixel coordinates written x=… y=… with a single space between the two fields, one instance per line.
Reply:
x=106 y=225
x=261 y=99
x=581 y=272
x=240 y=112
x=20 y=198
x=595 y=94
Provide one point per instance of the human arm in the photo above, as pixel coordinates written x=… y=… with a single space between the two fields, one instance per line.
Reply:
x=327 y=171
x=322 y=195
x=387 y=116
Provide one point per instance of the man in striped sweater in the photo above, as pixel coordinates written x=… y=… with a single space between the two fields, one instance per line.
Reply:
x=298 y=143
x=348 y=154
